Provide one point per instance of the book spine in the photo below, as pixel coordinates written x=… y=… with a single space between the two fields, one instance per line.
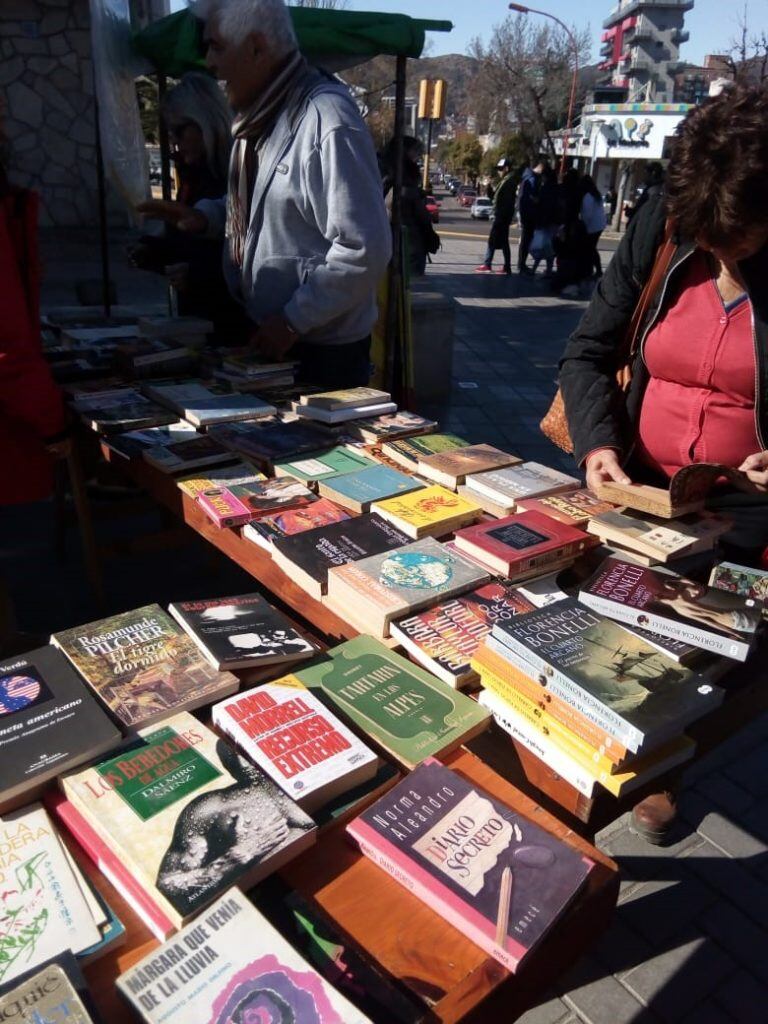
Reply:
x=558 y=554
x=506 y=678
x=689 y=634
x=431 y=895
x=224 y=508
x=570 y=691
x=566 y=767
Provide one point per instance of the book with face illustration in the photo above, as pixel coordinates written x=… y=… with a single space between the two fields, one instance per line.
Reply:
x=188 y=816
x=493 y=874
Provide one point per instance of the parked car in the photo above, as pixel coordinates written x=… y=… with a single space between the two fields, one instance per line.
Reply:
x=433 y=209
x=454 y=186
x=482 y=208
x=467 y=196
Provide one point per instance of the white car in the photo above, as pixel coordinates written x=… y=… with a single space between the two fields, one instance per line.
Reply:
x=481 y=209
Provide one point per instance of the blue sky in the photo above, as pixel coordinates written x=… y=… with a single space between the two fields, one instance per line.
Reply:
x=712 y=23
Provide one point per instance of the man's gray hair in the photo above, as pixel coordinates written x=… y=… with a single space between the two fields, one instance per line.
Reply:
x=237 y=18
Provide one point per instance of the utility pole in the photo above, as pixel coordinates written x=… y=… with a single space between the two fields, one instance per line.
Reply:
x=432 y=96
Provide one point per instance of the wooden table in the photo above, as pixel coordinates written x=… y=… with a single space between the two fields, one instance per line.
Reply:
x=406 y=937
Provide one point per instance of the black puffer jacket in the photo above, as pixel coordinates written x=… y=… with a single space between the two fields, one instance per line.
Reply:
x=599 y=415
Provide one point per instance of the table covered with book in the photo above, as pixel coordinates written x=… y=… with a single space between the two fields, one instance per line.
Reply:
x=348 y=789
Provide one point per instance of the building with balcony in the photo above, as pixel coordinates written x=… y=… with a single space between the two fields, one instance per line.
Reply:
x=640 y=46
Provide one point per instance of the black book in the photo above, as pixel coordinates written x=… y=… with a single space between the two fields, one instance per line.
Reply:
x=55 y=990
x=49 y=723
x=270 y=441
x=241 y=632
x=308 y=556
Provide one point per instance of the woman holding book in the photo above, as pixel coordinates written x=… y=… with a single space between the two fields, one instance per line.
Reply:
x=699 y=390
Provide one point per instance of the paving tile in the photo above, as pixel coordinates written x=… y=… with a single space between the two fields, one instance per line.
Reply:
x=640 y=860
x=730 y=837
x=604 y=1000
x=738 y=936
x=550 y=1010
x=620 y=949
x=679 y=979
x=660 y=909
x=744 y=999
x=730 y=797
x=751 y=771
x=734 y=879
x=709 y=1013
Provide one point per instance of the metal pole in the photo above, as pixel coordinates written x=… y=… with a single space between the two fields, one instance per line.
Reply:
x=428 y=156
x=162 y=134
x=394 y=354
x=102 y=189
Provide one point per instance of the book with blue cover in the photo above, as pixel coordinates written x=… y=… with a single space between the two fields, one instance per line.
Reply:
x=324 y=465
x=357 y=491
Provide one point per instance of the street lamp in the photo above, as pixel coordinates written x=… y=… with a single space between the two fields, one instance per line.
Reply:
x=522 y=9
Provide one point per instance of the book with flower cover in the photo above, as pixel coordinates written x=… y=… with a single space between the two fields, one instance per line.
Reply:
x=672 y=606
x=232 y=965
x=497 y=877
x=188 y=816
x=291 y=735
x=143 y=667
x=52 y=991
x=451 y=468
x=287 y=524
x=575 y=508
x=224 y=508
x=428 y=512
x=523 y=545
x=444 y=639
x=231 y=477
x=310 y=469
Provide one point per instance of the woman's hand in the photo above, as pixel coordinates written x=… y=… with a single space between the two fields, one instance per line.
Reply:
x=185 y=218
x=603 y=466
x=756 y=469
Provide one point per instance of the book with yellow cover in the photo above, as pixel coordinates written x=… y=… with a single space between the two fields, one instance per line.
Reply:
x=429 y=512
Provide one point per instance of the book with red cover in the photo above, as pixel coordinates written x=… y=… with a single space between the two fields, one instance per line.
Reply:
x=523 y=545
x=497 y=877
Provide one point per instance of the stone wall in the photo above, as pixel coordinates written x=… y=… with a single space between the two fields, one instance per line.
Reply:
x=46 y=83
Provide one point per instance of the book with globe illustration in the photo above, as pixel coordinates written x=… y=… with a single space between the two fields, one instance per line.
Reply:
x=188 y=816
x=372 y=592
x=399 y=707
x=243 y=971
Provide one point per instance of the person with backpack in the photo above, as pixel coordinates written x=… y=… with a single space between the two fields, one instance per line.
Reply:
x=503 y=214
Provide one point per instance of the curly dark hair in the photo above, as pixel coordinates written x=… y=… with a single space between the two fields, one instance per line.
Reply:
x=717 y=184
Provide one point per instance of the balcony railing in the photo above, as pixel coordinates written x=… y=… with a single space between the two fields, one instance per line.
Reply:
x=636 y=6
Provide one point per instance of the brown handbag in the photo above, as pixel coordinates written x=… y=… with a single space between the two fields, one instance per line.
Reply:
x=555 y=423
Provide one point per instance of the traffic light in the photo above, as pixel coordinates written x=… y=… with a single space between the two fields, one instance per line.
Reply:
x=432 y=93
x=438 y=99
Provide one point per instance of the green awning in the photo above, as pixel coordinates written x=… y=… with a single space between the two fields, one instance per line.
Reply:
x=336 y=38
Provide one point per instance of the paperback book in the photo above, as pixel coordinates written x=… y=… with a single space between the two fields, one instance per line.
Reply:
x=426 y=833
x=120 y=410
x=738 y=579
x=268 y=442
x=656 y=540
x=370 y=593
x=451 y=468
x=357 y=398
x=242 y=632
x=292 y=736
x=408 y=451
x=428 y=512
x=287 y=524
x=636 y=693
x=54 y=991
x=342 y=415
x=308 y=556
x=672 y=606
x=188 y=816
x=230 y=477
x=317 y=466
x=357 y=491
x=193 y=453
x=391 y=427
x=49 y=723
x=444 y=639
x=232 y=965
x=133 y=443
x=404 y=710
x=200 y=406
x=575 y=508
x=143 y=667
x=271 y=496
x=688 y=488
x=224 y=508
x=499 y=490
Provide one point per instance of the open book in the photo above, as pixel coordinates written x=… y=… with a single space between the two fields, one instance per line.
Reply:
x=687 y=490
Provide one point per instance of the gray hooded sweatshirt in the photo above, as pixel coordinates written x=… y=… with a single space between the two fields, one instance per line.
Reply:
x=318 y=239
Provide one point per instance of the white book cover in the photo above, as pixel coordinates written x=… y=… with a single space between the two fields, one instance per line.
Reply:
x=44 y=912
x=296 y=740
x=529 y=479
x=231 y=965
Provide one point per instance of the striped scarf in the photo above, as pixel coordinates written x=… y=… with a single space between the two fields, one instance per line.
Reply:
x=249 y=130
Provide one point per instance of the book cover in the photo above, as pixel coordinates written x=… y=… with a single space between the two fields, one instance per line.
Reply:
x=688 y=488
x=712 y=619
x=224 y=508
x=230 y=477
x=375 y=590
x=54 y=991
x=194 y=452
x=659 y=539
x=429 y=511
x=232 y=967
x=529 y=479
x=269 y=441
x=396 y=425
x=292 y=736
x=360 y=489
x=123 y=409
x=49 y=722
x=445 y=638
x=287 y=524
x=452 y=467
x=738 y=579
x=43 y=911
x=142 y=666
x=313 y=552
x=270 y=496
x=201 y=406
x=520 y=545
x=188 y=815
x=575 y=508
x=641 y=695
x=317 y=466
x=496 y=876
x=402 y=708
x=407 y=452
x=344 y=398
x=241 y=632
x=338 y=416
x=133 y=443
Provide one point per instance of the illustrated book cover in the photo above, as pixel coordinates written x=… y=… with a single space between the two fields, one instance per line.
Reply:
x=408 y=451
x=389 y=428
x=54 y=991
x=230 y=477
x=429 y=512
x=575 y=508
x=287 y=524
x=451 y=468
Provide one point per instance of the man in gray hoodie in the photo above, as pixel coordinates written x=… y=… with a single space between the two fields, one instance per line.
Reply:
x=308 y=238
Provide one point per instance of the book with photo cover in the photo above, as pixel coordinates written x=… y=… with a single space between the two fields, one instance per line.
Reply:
x=241 y=632
x=308 y=556
x=188 y=815
x=243 y=972
x=271 y=496
x=143 y=667
x=672 y=606
x=391 y=427
x=292 y=736
x=52 y=991
x=501 y=880
x=49 y=723
x=402 y=709
x=224 y=508
x=287 y=524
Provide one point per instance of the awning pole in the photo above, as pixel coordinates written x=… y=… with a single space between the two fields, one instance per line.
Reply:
x=102 y=192
x=394 y=355
x=162 y=134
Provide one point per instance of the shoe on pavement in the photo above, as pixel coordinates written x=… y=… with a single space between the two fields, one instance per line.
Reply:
x=504 y=270
x=483 y=269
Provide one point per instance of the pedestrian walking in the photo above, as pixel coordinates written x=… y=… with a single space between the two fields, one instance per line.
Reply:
x=595 y=221
x=503 y=214
x=529 y=196
x=549 y=216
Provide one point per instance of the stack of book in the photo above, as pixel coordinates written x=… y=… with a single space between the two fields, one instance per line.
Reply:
x=120 y=409
x=335 y=407
x=498 y=491
x=654 y=541
x=175 y=448
x=390 y=427
x=248 y=372
x=599 y=705
x=202 y=407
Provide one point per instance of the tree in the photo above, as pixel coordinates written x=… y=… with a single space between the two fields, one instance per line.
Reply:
x=147 y=97
x=513 y=147
x=462 y=155
x=747 y=59
x=526 y=69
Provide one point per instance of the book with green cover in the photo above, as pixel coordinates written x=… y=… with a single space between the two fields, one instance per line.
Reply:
x=406 y=711
x=407 y=452
x=315 y=466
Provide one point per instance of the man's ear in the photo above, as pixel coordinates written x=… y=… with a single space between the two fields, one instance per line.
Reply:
x=256 y=43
